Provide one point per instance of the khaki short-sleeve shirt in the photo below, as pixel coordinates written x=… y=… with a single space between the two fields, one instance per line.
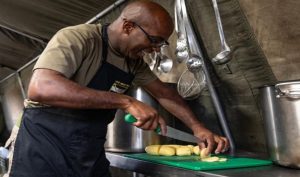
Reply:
x=76 y=52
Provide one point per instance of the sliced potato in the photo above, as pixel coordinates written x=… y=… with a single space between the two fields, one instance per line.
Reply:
x=173 y=145
x=183 y=150
x=191 y=147
x=167 y=150
x=196 y=150
x=179 y=150
x=222 y=159
x=153 y=149
x=203 y=153
x=210 y=159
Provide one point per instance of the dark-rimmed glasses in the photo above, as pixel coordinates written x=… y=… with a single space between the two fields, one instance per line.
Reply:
x=157 y=41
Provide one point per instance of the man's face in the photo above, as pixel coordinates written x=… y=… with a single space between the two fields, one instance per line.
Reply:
x=144 y=40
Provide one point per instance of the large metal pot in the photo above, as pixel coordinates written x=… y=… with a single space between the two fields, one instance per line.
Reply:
x=124 y=137
x=281 y=113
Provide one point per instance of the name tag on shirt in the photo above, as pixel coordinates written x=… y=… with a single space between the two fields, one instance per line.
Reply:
x=119 y=87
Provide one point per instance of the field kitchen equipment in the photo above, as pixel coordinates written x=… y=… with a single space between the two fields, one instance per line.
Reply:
x=281 y=114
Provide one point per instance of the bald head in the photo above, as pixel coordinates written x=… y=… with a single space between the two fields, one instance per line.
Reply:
x=148 y=14
x=143 y=26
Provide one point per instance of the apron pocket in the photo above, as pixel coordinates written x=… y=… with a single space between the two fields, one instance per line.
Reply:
x=83 y=147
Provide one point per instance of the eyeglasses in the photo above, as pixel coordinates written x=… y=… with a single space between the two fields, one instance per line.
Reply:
x=157 y=41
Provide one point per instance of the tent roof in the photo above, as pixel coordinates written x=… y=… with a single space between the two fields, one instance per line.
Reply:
x=27 y=26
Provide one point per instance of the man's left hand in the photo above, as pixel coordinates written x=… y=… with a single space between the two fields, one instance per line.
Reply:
x=212 y=141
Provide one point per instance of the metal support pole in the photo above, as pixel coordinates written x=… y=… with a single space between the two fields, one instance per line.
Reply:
x=21 y=85
x=20 y=69
x=218 y=107
x=105 y=11
x=23 y=34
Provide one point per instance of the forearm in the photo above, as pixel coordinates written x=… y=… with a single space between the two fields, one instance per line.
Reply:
x=61 y=92
x=173 y=103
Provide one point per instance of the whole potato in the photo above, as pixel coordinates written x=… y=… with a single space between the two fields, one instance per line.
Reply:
x=167 y=150
x=196 y=150
x=183 y=150
x=153 y=149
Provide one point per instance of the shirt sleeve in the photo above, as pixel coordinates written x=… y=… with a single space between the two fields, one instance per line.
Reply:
x=64 y=52
x=143 y=75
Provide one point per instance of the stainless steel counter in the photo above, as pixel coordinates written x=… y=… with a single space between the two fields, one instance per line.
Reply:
x=156 y=170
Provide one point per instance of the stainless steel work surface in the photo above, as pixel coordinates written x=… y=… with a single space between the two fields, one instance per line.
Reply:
x=120 y=161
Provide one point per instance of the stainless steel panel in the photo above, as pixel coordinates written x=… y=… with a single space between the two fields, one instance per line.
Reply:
x=11 y=101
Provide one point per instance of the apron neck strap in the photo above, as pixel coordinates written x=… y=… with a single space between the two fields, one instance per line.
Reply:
x=105 y=41
x=105 y=47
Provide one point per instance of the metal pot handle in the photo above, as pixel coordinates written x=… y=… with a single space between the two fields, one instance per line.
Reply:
x=288 y=92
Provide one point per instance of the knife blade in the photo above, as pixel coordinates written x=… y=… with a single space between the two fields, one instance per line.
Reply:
x=171 y=132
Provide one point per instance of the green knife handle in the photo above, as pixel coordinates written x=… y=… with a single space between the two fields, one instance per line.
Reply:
x=131 y=119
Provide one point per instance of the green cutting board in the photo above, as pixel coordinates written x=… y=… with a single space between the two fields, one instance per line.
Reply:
x=193 y=162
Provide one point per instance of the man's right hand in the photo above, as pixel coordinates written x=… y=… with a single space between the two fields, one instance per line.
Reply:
x=147 y=117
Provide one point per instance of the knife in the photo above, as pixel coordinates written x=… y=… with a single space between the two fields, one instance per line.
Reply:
x=171 y=132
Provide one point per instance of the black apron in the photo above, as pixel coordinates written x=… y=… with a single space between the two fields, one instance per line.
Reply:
x=59 y=142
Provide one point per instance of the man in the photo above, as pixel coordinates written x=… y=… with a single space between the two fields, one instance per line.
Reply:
x=78 y=83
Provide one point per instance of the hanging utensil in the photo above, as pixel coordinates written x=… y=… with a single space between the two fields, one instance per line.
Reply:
x=165 y=62
x=192 y=82
x=165 y=65
x=182 y=50
x=159 y=62
x=190 y=85
x=224 y=55
x=194 y=64
x=151 y=60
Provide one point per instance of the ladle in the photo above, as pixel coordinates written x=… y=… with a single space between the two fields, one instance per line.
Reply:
x=223 y=56
x=160 y=62
x=165 y=65
x=151 y=59
x=182 y=51
x=194 y=65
